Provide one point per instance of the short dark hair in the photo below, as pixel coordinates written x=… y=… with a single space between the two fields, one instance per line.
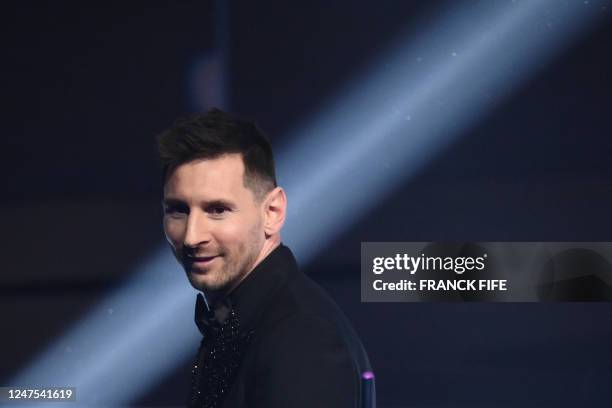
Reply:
x=213 y=134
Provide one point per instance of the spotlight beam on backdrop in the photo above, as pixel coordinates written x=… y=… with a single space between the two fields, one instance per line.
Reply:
x=419 y=96
x=376 y=133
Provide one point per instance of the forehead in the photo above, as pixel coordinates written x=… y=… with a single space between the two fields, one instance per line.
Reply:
x=218 y=178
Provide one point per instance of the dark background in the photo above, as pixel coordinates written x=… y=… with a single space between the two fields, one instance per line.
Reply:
x=87 y=86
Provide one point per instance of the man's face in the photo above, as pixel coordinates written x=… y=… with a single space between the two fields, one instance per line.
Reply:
x=212 y=222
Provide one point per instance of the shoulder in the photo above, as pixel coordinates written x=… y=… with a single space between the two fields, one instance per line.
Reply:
x=304 y=351
x=301 y=316
x=302 y=331
x=303 y=361
x=302 y=300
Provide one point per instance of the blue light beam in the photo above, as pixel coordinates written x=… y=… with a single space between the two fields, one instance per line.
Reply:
x=419 y=96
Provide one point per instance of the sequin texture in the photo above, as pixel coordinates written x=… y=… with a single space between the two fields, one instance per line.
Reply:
x=219 y=357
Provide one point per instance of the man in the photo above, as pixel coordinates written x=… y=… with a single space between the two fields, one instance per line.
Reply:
x=271 y=337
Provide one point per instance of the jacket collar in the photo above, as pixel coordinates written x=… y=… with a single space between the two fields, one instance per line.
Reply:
x=252 y=295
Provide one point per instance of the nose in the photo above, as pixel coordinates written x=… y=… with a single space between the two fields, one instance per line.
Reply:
x=198 y=231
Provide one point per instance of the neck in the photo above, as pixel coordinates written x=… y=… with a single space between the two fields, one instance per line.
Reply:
x=268 y=246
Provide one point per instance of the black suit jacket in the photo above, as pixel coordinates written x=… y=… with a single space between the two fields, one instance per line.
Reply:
x=302 y=352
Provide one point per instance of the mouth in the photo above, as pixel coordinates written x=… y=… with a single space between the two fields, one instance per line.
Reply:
x=200 y=261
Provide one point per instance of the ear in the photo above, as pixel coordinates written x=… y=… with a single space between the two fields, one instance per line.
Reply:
x=275 y=209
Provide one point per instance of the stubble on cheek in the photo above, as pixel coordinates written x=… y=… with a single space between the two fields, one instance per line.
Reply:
x=242 y=261
x=230 y=268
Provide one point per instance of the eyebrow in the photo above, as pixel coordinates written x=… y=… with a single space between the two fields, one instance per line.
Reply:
x=170 y=201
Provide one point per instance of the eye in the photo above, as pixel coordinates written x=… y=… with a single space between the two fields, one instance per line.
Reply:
x=217 y=210
x=175 y=210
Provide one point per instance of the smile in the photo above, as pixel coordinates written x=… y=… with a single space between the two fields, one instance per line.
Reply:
x=201 y=260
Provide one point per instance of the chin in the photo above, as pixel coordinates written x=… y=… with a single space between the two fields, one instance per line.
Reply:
x=204 y=283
